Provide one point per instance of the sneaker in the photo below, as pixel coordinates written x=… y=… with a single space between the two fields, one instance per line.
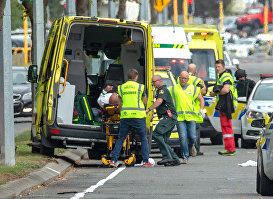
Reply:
x=200 y=153
x=227 y=153
x=184 y=161
x=193 y=151
x=148 y=164
x=164 y=161
x=113 y=164
x=176 y=163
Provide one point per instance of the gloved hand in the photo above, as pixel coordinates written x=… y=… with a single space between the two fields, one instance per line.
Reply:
x=203 y=112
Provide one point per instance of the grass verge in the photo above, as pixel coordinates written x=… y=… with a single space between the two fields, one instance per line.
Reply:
x=26 y=161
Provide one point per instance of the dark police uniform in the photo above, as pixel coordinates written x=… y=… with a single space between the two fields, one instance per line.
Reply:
x=167 y=120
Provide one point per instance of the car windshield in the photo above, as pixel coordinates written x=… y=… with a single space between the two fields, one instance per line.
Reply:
x=243 y=41
x=168 y=82
x=254 y=11
x=228 y=21
x=176 y=65
x=20 y=77
x=264 y=92
x=205 y=62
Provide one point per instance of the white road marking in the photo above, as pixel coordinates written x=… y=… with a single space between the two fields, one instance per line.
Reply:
x=100 y=183
x=53 y=170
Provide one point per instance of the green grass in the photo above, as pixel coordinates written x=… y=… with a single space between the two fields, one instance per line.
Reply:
x=26 y=161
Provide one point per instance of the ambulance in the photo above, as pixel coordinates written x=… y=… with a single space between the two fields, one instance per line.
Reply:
x=170 y=48
x=73 y=63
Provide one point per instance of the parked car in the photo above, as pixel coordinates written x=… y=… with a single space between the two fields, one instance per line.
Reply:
x=264 y=179
x=259 y=105
x=22 y=97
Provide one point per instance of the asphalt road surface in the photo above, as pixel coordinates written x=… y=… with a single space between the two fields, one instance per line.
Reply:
x=209 y=176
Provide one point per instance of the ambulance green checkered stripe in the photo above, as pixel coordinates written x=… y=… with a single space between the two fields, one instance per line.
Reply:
x=169 y=46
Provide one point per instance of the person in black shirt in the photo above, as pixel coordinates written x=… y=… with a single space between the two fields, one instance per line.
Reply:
x=244 y=85
x=167 y=120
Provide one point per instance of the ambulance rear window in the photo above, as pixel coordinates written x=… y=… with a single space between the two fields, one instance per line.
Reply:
x=205 y=62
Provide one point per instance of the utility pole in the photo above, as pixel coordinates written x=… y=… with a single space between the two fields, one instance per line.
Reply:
x=6 y=92
x=221 y=15
x=185 y=11
x=38 y=33
x=70 y=9
x=266 y=17
x=111 y=9
x=175 y=12
x=93 y=8
x=165 y=15
x=141 y=10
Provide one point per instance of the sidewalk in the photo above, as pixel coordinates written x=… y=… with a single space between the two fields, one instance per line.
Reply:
x=43 y=176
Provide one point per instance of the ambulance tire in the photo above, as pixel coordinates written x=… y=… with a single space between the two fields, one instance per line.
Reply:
x=246 y=144
x=47 y=151
x=44 y=150
x=97 y=151
x=177 y=151
x=217 y=140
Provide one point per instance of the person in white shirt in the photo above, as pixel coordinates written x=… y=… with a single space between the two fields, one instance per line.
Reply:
x=107 y=96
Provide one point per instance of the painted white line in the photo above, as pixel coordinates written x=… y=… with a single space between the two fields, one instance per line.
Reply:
x=100 y=183
x=53 y=170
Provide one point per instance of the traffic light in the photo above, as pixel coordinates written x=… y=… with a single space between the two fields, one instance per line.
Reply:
x=190 y=7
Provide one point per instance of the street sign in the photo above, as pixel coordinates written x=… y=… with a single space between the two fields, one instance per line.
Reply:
x=159 y=5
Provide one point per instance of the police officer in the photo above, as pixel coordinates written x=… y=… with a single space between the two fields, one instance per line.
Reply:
x=244 y=85
x=167 y=119
x=201 y=88
x=184 y=95
x=132 y=115
x=226 y=101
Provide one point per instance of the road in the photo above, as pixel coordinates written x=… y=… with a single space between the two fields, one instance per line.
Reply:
x=21 y=124
x=209 y=176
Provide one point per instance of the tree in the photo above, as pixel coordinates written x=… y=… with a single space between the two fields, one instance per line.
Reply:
x=82 y=7
x=121 y=9
x=2 y=7
x=153 y=13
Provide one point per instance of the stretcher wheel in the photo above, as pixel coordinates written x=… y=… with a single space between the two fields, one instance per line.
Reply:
x=131 y=161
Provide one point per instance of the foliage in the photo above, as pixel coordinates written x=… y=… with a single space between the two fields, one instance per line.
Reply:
x=16 y=15
x=56 y=10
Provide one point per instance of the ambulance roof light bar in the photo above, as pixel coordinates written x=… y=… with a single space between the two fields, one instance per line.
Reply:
x=263 y=76
x=203 y=33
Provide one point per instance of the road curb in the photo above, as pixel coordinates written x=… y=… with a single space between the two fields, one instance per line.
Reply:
x=43 y=176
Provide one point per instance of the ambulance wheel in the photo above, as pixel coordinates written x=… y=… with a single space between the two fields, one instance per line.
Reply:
x=47 y=151
x=247 y=144
x=217 y=140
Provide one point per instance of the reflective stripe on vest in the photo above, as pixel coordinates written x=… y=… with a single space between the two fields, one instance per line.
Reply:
x=228 y=135
x=186 y=112
x=138 y=101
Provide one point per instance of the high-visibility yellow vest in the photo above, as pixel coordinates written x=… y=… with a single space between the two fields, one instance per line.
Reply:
x=193 y=80
x=184 y=101
x=131 y=94
x=224 y=77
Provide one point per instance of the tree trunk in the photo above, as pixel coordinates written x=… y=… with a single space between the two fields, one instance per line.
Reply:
x=99 y=3
x=2 y=7
x=121 y=9
x=82 y=7
x=153 y=13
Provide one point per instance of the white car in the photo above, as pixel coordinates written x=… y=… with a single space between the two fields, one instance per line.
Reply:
x=259 y=106
x=264 y=180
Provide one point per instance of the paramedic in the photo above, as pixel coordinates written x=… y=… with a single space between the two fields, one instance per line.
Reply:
x=167 y=120
x=184 y=95
x=196 y=81
x=132 y=101
x=226 y=101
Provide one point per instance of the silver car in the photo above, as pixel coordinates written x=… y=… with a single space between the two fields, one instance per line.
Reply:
x=264 y=181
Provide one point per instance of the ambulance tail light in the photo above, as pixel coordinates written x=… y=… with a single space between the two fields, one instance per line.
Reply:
x=263 y=76
x=56 y=131
x=203 y=33
x=174 y=61
x=181 y=61
x=164 y=68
